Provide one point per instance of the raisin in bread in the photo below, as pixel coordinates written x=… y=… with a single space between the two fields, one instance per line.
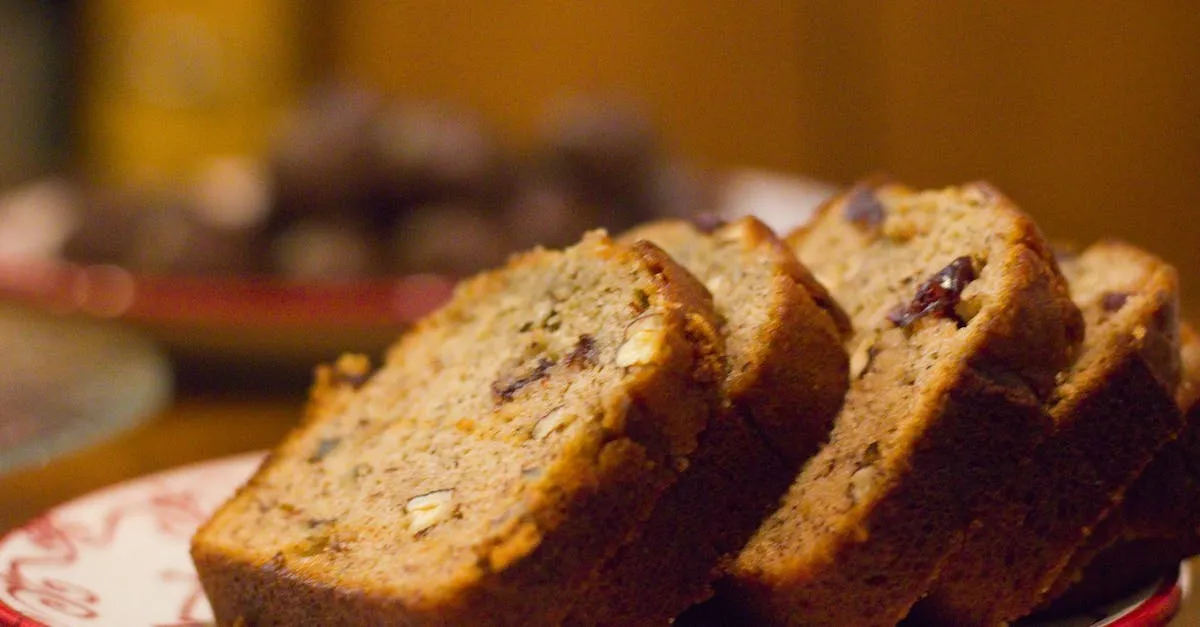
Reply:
x=962 y=322
x=785 y=382
x=1112 y=410
x=1157 y=525
x=512 y=442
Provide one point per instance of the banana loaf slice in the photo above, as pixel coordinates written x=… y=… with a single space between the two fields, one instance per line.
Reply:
x=1158 y=524
x=962 y=322
x=513 y=441
x=785 y=382
x=1112 y=411
x=783 y=331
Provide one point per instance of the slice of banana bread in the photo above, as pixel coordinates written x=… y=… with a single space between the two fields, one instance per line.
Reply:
x=1112 y=411
x=1158 y=524
x=512 y=442
x=786 y=380
x=962 y=322
x=782 y=329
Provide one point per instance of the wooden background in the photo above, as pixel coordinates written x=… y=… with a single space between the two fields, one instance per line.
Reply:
x=1085 y=112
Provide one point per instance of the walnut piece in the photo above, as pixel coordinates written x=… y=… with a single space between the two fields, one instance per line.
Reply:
x=551 y=422
x=861 y=483
x=429 y=509
x=861 y=358
x=642 y=339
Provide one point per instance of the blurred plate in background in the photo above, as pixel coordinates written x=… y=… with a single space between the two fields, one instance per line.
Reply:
x=67 y=382
x=260 y=319
x=241 y=320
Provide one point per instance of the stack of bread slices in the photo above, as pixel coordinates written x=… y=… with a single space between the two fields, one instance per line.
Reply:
x=911 y=408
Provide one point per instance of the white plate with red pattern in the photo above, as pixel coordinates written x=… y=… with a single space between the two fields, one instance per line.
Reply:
x=119 y=558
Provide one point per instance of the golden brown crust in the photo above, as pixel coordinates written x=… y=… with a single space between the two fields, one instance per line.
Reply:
x=870 y=184
x=333 y=386
x=779 y=252
x=1156 y=524
x=978 y=419
x=799 y=380
x=911 y=528
x=790 y=387
x=1110 y=415
x=793 y=380
x=527 y=572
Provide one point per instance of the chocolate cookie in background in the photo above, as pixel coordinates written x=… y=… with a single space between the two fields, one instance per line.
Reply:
x=454 y=238
x=545 y=209
x=323 y=156
x=681 y=189
x=441 y=179
x=327 y=247
x=356 y=185
x=427 y=153
x=606 y=145
x=606 y=151
x=418 y=190
x=170 y=238
x=598 y=163
x=105 y=223
x=210 y=229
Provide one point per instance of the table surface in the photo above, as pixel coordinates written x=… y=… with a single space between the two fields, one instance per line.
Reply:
x=195 y=428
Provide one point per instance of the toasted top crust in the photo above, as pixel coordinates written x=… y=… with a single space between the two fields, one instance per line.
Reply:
x=888 y=221
x=511 y=442
x=782 y=329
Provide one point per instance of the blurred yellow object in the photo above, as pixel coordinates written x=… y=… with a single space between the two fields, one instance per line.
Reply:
x=168 y=84
x=1086 y=117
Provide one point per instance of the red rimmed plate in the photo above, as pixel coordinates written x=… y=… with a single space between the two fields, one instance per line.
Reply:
x=273 y=320
x=265 y=319
x=119 y=558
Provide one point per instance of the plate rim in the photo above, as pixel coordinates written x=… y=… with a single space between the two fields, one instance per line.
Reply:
x=12 y=617
x=251 y=300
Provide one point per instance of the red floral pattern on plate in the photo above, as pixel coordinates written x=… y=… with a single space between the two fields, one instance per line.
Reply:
x=119 y=558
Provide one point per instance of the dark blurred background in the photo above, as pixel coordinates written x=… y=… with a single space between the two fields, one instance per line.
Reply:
x=1086 y=113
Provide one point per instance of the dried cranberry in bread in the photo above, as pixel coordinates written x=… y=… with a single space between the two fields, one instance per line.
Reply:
x=1112 y=410
x=512 y=442
x=962 y=321
x=785 y=382
x=1158 y=524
